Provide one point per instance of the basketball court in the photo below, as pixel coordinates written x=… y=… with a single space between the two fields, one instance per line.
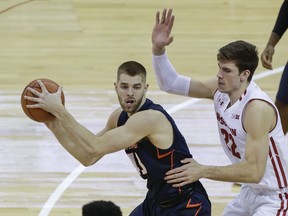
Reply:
x=80 y=44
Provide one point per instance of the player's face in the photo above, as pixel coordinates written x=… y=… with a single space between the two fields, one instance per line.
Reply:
x=229 y=79
x=131 y=92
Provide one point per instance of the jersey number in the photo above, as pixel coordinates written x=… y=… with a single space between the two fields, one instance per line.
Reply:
x=231 y=145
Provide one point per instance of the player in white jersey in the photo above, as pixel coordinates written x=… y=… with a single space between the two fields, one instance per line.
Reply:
x=249 y=126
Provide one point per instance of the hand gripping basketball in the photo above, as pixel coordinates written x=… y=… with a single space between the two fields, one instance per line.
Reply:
x=38 y=114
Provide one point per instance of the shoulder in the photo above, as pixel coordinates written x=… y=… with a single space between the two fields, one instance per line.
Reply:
x=150 y=115
x=113 y=118
x=148 y=120
x=260 y=113
x=259 y=105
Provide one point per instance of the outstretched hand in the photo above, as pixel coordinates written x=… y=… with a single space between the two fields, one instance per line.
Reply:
x=186 y=174
x=161 y=32
x=50 y=102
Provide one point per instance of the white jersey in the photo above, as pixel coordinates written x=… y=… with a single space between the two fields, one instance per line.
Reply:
x=233 y=137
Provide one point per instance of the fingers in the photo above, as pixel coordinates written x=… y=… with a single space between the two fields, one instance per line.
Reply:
x=157 y=18
x=163 y=18
x=42 y=86
x=167 y=18
x=33 y=99
x=177 y=180
x=174 y=171
x=179 y=170
x=34 y=92
x=173 y=176
x=266 y=61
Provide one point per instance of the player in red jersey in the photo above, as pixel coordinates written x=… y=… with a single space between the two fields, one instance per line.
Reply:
x=249 y=126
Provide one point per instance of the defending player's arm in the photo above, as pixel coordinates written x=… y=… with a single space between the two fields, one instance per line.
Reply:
x=259 y=119
x=166 y=75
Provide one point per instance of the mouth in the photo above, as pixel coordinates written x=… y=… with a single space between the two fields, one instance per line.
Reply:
x=220 y=83
x=129 y=102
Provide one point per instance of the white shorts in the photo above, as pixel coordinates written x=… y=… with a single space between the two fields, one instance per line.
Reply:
x=249 y=203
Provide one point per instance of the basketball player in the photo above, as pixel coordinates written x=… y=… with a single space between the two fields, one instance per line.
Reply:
x=279 y=29
x=147 y=133
x=249 y=126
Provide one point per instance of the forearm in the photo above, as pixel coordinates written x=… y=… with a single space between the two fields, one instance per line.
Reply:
x=75 y=138
x=273 y=39
x=167 y=77
x=238 y=172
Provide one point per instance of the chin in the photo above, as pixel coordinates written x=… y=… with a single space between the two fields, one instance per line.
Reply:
x=221 y=89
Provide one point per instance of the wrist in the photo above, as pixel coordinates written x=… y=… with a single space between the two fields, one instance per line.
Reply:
x=273 y=40
x=158 y=50
x=60 y=113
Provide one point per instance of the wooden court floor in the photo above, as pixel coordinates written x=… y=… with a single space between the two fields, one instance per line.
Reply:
x=80 y=44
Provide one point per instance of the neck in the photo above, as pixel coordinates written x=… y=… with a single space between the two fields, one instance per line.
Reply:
x=234 y=96
x=140 y=105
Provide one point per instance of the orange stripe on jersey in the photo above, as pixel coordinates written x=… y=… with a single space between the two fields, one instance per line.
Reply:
x=194 y=205
x=165 y=155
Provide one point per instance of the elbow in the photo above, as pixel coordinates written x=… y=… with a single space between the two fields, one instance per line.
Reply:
x=255 y=177
x=85 y=163
x=166 y=89
x=255 y=181
x=163 y=88
x=89 y=159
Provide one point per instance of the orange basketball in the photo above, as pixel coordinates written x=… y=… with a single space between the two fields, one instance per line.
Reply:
x=38 y=114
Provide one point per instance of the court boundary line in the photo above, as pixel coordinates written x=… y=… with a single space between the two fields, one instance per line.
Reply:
x=54 y=197
x=14 y=6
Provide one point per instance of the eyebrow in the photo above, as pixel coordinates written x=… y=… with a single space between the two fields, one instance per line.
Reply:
x=124 y=83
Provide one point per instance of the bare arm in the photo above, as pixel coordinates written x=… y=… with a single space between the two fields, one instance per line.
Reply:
x=267 y=54
x=259 y=120
x=167 y=77
x=87 y=147
x=279 y=29
x=71 y=144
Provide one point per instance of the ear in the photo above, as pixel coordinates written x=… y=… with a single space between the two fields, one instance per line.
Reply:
x=115 y=86
x=244 y=75
x=146 y=88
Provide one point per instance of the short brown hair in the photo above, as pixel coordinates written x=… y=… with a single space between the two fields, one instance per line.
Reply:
x=244 y=54
x=132 y=68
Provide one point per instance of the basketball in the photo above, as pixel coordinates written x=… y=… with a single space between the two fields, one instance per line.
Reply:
x=38 y=114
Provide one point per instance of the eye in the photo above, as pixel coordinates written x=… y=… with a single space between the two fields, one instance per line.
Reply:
x=137 y=87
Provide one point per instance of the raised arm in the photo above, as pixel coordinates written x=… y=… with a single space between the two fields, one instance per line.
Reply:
x=260 y=118
x=167 y=77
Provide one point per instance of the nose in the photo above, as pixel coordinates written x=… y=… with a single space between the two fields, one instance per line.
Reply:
x=219 y=74
x=130 y=91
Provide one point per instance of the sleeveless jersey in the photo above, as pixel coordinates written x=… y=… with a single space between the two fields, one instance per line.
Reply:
x=233 y=137
x=152 y=163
